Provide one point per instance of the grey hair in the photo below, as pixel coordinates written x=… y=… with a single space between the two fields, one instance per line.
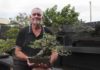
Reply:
x=37 y=9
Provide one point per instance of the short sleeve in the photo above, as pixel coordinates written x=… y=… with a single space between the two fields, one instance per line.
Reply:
x=20 y=38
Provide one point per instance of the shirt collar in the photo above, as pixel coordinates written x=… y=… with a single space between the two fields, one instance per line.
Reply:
x=30 y=29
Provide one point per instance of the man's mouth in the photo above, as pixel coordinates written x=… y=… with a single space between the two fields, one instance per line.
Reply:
x=36 y=21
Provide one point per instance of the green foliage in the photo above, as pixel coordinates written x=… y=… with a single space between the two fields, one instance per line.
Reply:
x=6 y=45
x=47 y=43
x=12 y=33
x=66 y=16
x=71 y=17
x=50 y=16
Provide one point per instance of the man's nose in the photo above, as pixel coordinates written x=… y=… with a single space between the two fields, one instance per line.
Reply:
x=36 y=16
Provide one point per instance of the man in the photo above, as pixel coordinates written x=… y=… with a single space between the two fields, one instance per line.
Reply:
x=25 y=36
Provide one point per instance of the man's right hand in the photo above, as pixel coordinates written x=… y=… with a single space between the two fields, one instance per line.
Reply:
x=30 y=64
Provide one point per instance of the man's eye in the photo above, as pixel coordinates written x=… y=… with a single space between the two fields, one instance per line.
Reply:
x=36 y=14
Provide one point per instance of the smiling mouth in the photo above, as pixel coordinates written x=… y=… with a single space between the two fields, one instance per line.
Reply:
x=37 y=21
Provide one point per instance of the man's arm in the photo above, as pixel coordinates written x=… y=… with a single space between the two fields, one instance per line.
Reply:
x=20 y=55
x=19 y=44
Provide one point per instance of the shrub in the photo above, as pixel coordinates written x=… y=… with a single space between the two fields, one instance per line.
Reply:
x=6 y=45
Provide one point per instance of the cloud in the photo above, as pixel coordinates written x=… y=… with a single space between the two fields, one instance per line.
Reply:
x=10 y=8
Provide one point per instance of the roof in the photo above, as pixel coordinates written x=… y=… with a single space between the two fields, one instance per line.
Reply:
x=4 y=21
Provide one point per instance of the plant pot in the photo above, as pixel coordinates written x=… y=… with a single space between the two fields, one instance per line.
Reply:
x=39 y=59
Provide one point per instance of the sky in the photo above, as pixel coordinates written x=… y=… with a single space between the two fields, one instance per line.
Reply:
x=11 y=8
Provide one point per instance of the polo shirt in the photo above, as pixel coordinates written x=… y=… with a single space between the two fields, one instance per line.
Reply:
x=26 y=36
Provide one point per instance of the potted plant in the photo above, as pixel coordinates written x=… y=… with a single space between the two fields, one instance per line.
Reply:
x=47 y=44
x=5 y=47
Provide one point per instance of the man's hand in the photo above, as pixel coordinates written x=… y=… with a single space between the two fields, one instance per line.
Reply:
x=42 y=65
x=30 y=64
x=54 y=56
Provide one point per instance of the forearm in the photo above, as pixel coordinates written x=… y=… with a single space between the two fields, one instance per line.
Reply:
x=20 y=55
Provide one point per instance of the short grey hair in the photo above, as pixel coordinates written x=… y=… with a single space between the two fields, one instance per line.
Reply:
x=37 y=9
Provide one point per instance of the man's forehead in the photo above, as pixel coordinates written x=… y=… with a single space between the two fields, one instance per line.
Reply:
x=37 y=10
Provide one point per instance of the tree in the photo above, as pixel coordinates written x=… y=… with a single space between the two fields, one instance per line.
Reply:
x=21 y=20
x=66 y=16
x=50 y=16
x=69 y=15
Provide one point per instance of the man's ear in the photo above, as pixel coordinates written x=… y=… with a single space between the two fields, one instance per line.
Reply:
x=29 y=17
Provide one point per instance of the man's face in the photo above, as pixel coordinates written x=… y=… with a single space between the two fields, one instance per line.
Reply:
x=36 y=16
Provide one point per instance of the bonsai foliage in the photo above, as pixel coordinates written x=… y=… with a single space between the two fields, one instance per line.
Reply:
x=6 y=45
x=46 y=41
x=12 y=33
x=47 y=44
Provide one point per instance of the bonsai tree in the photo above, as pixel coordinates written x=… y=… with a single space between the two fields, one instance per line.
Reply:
x=47 y=44
x=6 y=45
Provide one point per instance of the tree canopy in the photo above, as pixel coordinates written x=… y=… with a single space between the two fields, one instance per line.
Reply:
x=67 y=15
